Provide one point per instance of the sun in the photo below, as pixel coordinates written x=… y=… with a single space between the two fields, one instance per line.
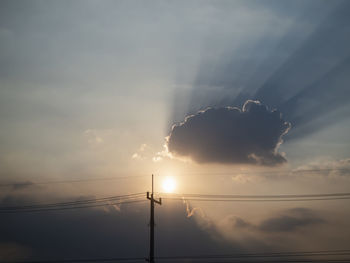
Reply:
x=169 y=184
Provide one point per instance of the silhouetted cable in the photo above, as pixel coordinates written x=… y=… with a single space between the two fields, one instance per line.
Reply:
x=65 y=207
x=265 y=255
x=131 y=259
x=126 y=201
x=272 y=172
x=192 y=197
x=257 y=198
x=76 y=202
x=216 y=260
x=69 y=208
x=207 y=260
x=347 y=194
x=29 y=183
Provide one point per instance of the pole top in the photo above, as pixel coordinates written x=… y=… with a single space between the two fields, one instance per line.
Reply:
x=152 y=183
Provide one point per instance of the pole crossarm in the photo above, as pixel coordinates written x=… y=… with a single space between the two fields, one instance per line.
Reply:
x=150 y=197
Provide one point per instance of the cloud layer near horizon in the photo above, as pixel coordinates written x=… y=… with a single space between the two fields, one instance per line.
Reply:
x=230 y=135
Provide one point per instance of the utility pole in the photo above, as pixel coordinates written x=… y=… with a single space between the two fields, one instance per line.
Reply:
x=151 y=239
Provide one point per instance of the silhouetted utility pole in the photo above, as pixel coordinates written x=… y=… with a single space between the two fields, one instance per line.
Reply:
x=151 y=239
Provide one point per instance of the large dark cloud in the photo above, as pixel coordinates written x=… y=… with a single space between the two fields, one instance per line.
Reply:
x=230 y=135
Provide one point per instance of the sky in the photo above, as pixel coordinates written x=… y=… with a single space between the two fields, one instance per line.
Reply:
x=224 y=97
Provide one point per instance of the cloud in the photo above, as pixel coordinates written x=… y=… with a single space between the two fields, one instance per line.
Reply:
x=279 y=230
x=140 y=154
x=146 y=153
x=20 y=185
x=191 y=211
x=326 y=167
x=230 y=135
x=92 y=137
x=290 y=221
x=238 y=222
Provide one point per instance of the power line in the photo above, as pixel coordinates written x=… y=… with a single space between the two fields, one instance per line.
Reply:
x=287 y=196
x=191 y=259
x=274 y=172
x=87 y=203
x=216 y=260
x=69 y=208
x=119 y=199
x=84 y=201
x=73 y=207
x=255 y=200
x=29 y=183
x=126 y=259
x=258 y=198
x=265 y=255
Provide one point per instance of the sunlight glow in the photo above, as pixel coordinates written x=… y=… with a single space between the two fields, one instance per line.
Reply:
x=169 y=184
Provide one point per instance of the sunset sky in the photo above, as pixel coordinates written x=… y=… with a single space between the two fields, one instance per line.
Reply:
x=216 y=97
